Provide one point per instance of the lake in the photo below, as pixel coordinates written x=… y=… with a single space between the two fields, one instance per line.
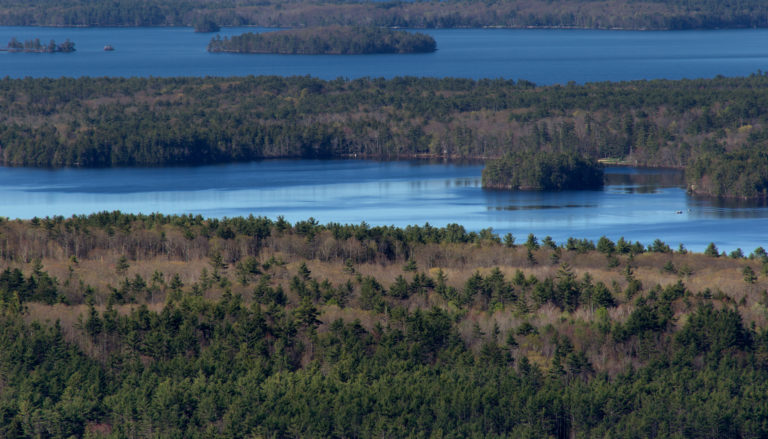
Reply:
x=543 y=56
x=639 y=204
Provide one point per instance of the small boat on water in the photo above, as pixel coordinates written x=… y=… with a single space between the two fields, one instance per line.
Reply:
x=108 y=48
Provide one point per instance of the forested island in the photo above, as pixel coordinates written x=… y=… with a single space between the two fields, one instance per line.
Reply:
x=327 y=40
x=543 y=171
x=35 y=46
x=585 y=14
x=116 y=325
x=95 y=122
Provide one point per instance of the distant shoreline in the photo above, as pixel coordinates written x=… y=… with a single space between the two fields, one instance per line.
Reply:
x=491 y=26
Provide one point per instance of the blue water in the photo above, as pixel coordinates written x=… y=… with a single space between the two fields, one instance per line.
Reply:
x=638 y=204
x=541 y=56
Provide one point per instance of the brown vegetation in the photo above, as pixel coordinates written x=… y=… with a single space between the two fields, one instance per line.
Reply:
x=99 y=265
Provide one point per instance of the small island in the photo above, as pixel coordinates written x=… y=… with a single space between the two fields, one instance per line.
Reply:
x=35 y=46
x=331 y=40
x=542 y=171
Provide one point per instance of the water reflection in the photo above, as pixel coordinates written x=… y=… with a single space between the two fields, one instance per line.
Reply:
x=639 y=204
x=467 y=182
x=642 y=181
x=543 y=207
x=657 y=177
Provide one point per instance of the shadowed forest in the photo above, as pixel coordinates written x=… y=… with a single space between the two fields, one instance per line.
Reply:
x=116 y=325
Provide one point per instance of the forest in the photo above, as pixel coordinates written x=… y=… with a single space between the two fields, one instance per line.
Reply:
x=586 y=14
x=97 y=122
x=326 y=40
x=116 y=325
x=737 y=174
x=542 y=171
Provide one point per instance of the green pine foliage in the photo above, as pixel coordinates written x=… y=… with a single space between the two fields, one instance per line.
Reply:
x=542 y=171
x=417 y=355
x=739 y=174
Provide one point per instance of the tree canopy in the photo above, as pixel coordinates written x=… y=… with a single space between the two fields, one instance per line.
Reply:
x=587 y=14
x=115 y=325
x=166 y=121
x=542 y=171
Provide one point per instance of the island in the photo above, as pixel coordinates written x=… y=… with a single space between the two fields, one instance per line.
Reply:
x=542 y=171
x=35 y=46
x=328 y=40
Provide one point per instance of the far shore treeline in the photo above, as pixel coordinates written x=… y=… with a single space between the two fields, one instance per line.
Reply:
x=326 y=40
x=716 y=128
x=584 y=14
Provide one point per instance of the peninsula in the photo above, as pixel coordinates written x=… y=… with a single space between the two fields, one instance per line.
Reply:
x=741 y=174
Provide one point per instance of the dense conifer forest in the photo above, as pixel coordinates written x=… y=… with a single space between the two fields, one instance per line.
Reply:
x=588 y=14
x=547 y=172
x=705 y=124
x=737 y=174
x=326 y=40
x=116 y=325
